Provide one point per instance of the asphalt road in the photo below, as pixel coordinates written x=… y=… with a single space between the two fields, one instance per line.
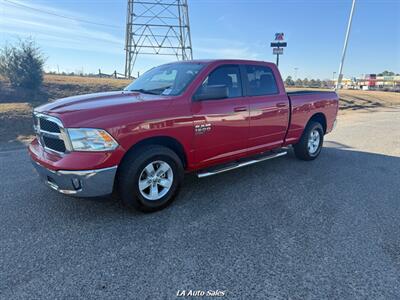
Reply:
x=282 y=229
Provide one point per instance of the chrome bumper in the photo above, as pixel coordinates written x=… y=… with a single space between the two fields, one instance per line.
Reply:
x=85 y=183
x=334 y=125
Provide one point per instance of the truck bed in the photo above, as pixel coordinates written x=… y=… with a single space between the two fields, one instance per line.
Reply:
x=305 y=104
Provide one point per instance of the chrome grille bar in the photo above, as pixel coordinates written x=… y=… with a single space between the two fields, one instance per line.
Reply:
x=59 y=134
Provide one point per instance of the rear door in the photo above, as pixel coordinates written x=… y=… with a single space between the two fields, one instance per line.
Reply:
x=269 y=108
x=221 y=125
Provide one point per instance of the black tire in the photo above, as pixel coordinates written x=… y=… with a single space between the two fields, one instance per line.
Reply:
x=132 y=168
x=301 y=149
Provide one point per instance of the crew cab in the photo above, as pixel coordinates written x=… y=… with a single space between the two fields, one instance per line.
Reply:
x=203 y=116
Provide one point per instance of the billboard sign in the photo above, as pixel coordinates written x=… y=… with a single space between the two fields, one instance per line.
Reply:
x=279 y=36
x=278 y=44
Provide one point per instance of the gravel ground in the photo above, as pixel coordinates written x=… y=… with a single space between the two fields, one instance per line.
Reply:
x=282 y=229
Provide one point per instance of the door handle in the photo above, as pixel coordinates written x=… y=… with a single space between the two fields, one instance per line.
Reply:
x=240 y=108
x=281 y=104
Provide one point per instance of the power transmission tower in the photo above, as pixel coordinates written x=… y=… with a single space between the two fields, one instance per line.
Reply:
x=157 y=27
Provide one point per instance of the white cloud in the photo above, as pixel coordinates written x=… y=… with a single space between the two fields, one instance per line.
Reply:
x=221 y=18
x=51 y=29
x=223 y=48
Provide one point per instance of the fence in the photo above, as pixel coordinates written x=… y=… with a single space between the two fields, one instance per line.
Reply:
x=115 y=75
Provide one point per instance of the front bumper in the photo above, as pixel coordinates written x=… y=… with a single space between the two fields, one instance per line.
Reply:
x=334 y=124
x=81 y=183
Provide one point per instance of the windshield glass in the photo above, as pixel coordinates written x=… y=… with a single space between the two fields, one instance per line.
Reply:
x=168 y=80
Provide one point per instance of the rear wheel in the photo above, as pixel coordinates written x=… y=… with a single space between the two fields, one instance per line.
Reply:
x=310 y=144
x=150 y=178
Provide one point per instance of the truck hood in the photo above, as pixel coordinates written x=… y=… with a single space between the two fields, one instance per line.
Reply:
x=95 y=102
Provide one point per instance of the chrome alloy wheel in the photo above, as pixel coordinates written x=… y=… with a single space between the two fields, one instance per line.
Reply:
x=156 y=180
x=313 y=141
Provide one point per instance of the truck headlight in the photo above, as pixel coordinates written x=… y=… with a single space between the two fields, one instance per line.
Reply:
x=90 y=139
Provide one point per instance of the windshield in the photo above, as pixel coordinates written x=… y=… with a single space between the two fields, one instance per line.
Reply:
x=168 y=80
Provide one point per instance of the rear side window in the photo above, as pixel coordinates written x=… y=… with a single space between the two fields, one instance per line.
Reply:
x=228 y=76
x=261 y=81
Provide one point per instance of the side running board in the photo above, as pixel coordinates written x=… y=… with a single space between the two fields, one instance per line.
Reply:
x=237 y=165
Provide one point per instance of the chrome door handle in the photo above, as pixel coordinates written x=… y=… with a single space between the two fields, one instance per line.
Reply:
x=281 y=104
x=240 y=108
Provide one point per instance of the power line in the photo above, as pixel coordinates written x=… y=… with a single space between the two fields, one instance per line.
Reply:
x=19 y=5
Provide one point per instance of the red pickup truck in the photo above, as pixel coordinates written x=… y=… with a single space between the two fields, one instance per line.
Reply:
x=203 y=116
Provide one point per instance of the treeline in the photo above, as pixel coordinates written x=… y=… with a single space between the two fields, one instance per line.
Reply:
x=114 y=74
x=77 y=73
x=388 y=73
x=312 y=83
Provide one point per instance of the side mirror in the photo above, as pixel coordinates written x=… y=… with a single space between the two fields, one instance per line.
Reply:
x=211 y=92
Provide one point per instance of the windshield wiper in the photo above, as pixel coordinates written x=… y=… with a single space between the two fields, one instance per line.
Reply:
x=144 y=91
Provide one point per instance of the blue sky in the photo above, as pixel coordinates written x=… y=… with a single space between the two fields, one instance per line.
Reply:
x=313 y=29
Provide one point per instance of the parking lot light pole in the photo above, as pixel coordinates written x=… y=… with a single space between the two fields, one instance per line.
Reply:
x=340 y=75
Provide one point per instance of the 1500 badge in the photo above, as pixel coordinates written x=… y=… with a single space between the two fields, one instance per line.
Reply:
x=202 y=128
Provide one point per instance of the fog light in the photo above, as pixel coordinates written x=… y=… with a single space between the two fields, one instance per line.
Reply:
x=76 y=183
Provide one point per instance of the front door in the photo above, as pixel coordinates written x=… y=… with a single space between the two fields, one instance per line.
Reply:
x=221 y=125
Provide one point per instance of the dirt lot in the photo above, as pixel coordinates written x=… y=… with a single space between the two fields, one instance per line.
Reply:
x=351 y=100
x=16 y=105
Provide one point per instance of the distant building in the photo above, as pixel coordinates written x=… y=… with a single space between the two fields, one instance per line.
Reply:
x=346 y=83
x=388 y=82
x=372 y=82
x=367 y=83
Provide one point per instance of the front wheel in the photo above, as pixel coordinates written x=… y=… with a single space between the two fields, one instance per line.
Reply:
x=149 y=179
x=310 y=144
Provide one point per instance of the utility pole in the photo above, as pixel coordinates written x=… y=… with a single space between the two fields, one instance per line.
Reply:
x=157 y=27
x=295 y=73
x=333 y=79
x=340 y=75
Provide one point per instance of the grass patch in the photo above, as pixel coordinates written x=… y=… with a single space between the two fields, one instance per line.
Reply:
x=16 y=105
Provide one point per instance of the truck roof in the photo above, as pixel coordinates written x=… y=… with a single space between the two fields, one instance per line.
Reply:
x=227 y=61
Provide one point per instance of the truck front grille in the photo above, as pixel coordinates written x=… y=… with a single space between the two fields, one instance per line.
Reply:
x=48 y=125
x=54 y=144
x=50 y=132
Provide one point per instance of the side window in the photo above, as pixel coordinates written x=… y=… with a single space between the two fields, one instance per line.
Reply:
x=261 y=81
x=228 y=76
